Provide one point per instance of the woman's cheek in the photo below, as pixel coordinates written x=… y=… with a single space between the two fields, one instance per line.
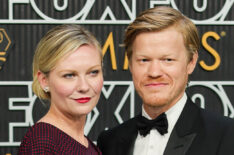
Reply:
x=97 y=85
x=65 y=89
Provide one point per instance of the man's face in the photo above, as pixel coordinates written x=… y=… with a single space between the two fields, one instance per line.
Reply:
x=160 y=68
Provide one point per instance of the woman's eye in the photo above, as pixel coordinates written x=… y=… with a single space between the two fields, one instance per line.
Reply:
x=69 y=76
x=94 y=72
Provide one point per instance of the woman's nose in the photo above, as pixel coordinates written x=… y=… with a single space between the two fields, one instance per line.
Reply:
x=83 y=85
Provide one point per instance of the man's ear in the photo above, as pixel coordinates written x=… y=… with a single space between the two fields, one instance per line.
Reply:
x=192 y=64
x=130 y=65
x=43 y=79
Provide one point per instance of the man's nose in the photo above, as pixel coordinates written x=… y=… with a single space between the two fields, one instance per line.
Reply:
x=155 y=69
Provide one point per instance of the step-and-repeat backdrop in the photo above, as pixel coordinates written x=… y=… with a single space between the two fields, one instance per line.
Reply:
x=24 y=22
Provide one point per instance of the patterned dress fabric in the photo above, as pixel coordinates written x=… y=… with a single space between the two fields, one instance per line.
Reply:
x=46 y=139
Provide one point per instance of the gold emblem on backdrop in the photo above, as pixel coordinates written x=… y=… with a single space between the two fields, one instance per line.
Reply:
x=5 y=43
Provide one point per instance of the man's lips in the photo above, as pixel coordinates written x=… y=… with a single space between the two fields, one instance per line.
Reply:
x=83 y=100
x=155 y=84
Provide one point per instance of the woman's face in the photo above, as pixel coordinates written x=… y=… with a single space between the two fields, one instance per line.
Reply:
x=76 y=82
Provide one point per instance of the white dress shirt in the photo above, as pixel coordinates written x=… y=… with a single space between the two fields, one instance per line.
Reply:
x=154 y=143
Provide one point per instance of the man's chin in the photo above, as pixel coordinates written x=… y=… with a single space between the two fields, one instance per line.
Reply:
x=156 y=103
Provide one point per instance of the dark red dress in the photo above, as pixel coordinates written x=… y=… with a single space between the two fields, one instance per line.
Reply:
x=44 y=138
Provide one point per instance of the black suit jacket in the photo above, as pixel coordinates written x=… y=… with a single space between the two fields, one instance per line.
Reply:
x=197 y=132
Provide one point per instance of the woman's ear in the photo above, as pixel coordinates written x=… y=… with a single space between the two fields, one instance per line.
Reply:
x=43 y=79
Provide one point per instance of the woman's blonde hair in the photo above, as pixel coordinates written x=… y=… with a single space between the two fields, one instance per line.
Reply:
x=57 y=43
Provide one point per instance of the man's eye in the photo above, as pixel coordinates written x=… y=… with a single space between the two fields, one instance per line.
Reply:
x=168 y=59
x=143 y=60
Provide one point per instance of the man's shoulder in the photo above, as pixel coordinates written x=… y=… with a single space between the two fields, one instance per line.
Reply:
x=216 y=119
x=218 y=131
x=209 y=120
x=208 y=116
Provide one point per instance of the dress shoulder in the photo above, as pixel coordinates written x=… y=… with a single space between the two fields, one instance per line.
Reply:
x=41 y=138
x=44 y=138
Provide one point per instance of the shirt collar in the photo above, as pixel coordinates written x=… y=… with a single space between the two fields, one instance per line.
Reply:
x=173 y=113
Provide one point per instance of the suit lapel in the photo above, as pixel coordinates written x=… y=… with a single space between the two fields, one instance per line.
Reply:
x=126 y=143
x=179 y=145
x=184 y=131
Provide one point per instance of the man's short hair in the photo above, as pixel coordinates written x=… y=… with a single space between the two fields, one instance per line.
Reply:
x=160 y=18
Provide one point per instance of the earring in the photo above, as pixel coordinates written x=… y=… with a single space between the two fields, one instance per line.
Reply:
x=46 y=89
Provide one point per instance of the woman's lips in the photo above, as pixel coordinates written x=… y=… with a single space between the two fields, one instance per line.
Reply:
x=83 y=100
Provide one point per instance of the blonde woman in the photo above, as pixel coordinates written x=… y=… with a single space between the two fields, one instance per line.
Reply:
x=67 y=71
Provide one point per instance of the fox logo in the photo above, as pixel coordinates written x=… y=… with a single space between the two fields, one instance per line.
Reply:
x=5 y=43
